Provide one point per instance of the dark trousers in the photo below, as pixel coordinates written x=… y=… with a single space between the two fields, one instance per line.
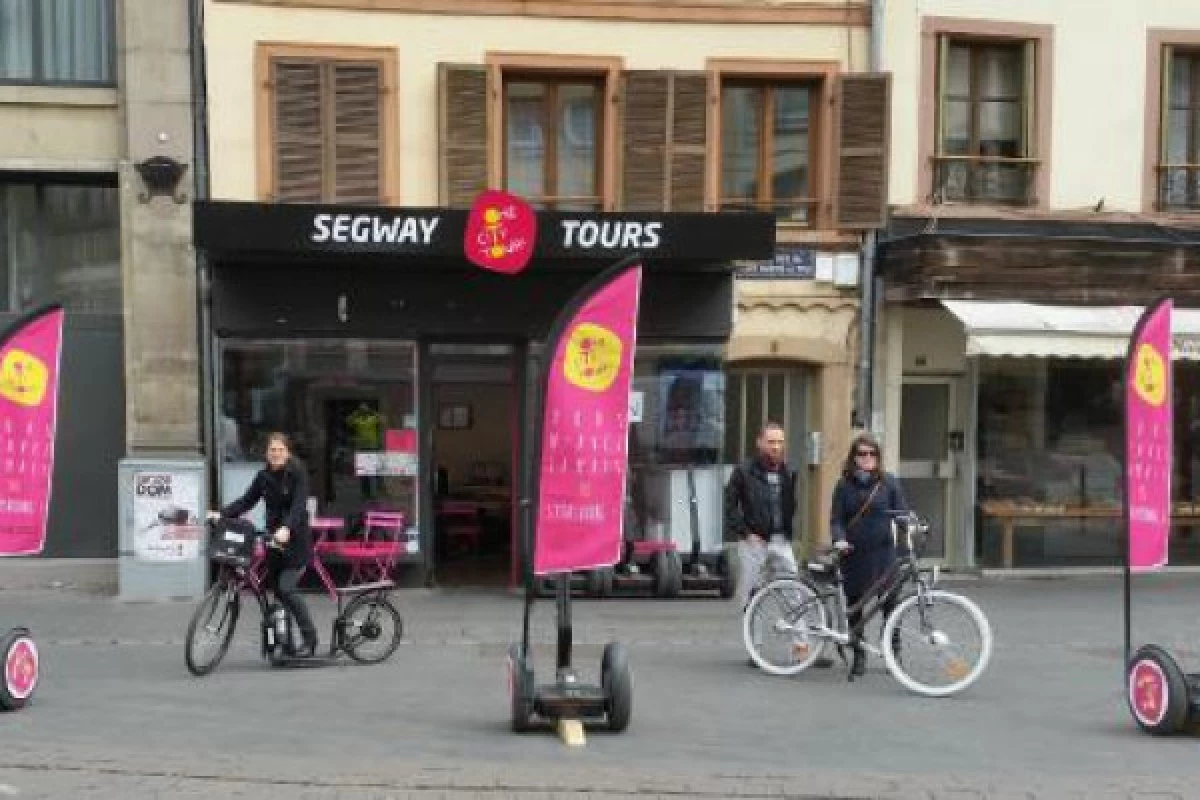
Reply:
x=285 y=580
x=861 y=571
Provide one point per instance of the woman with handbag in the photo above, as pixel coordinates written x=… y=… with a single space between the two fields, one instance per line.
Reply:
x=860 y=523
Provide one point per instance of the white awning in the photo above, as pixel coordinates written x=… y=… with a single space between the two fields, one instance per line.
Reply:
x=1029 y=329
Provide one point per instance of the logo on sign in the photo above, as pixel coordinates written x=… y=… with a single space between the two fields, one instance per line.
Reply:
x=593 y=357
x=23 y=378
x=1150 y=376
x=501 y=230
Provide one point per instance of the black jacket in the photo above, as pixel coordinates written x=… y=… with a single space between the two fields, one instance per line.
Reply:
x=748 y=500
x=284 y=494
x=872 y=530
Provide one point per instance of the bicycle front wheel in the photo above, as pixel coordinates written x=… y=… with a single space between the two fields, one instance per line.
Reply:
x=782 y=627
x=371 y=629
x=937 y=643
x=211 y=629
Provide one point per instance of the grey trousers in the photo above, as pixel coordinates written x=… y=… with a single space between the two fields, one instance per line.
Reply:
x=753 y=557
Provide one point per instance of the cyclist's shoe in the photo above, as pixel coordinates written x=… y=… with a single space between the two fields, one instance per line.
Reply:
x=309 y=648
x=824 y=662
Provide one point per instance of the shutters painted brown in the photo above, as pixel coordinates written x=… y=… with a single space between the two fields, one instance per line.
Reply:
x=299 y=152
x=688 y=141
x=462 y=133
x=357 y=131
x=863 y=102
x=664 y=123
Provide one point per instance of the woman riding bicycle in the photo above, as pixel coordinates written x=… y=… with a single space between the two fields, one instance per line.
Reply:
x=860 y=522
x=282 y=486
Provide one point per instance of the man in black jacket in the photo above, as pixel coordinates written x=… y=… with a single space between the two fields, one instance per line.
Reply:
x=760 y=501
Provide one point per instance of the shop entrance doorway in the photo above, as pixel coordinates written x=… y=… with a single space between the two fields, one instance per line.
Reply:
x=473 y=416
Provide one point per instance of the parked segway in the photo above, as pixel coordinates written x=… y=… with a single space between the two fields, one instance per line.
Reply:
x=1162 y=698
x=589 y=369
x=697 y=574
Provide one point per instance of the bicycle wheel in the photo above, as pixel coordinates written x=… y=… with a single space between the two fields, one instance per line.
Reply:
x=781 y=627
x=371 y=629
x=937 y=647
x=211 y=628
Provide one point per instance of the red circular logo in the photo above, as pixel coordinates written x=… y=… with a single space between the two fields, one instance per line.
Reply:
x=21 y=668
x=1148 y=692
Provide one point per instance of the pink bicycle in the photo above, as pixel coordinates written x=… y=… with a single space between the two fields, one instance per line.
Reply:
x=367 y=627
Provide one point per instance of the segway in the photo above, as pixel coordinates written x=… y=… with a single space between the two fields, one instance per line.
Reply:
x=1162 y=698
x=569 y=700
x=697 y=574
x=21 y=669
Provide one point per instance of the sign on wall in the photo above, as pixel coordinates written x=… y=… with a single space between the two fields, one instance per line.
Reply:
x=167 y=516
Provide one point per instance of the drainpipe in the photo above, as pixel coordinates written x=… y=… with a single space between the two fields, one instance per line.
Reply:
x=203 y=273
x=868 y=311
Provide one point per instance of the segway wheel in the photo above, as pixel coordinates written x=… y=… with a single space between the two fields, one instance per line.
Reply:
x=1157 y=691
x=520 y=690
x=617 y=682
x=725 y=572
x=660 y=566
x=600 y=582
x=22 y=668
x=675 y=572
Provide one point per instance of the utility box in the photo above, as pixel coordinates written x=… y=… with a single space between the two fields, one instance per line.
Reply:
x=162 y=544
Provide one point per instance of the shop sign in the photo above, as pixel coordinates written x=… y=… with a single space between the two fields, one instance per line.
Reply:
x=799 y=263
x=166 y=516
x=386 y=464
x=374 y=229
x=501 y=232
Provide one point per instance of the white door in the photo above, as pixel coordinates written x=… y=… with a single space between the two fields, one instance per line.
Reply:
x=926 y=465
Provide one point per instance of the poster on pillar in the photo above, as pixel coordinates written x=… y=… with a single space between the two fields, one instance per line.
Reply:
x=30 y=354
x=1148 y=439
x=585 y=424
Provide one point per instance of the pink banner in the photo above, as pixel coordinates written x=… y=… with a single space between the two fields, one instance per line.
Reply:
x=29 y=361
x=584 y=455
x=1148 y=428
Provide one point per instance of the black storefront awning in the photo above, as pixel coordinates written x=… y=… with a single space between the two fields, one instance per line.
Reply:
x=254 y=230
x=285 y=270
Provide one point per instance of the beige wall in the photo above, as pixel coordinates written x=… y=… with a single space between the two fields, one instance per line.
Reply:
x=421 y=41
x=59 y=128
x=1099 y=87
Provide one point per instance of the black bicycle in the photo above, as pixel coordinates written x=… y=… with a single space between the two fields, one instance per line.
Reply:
x=367 y=627
x=945 y=638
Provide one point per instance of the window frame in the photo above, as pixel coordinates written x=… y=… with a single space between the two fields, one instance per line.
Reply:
x=1161 y=44
x=267 y=53
x=552 y=84
x=936 y=35
x=38 y=51
x=822 y=76
x=503 y=67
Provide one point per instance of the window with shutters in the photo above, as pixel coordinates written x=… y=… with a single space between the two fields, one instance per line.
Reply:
x=767 y=148
x=985 y=126
x=330 y=115
x=553 y=131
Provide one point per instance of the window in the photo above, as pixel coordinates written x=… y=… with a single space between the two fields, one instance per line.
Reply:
x=331 y=114
x=767 y=148
x=1179 y=159
x=552 y=131
x=985 y=122
x=60 y=243
x=57 y=41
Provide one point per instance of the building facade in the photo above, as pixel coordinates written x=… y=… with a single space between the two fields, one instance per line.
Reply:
x=89 y=91
x=1043 y=189
x=346 y=140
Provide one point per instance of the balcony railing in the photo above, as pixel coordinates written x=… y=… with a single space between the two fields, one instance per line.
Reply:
x=1178 y=187
x=987 y=180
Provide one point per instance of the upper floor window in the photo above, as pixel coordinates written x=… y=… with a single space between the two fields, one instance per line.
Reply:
x=767 y=147
x=553 y=127
x=1179 y=155
x=985 y=128
x=57 y=42
x=331 y=123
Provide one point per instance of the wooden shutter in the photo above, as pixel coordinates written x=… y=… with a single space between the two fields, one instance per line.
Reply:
x=665 y=118
x=644 y=107
x=357 y=131
x=298 y=128
x=686 y=156
x=861 y=162
x=462 y=133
